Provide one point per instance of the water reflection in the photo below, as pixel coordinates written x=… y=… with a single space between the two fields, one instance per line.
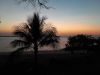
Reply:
x=5 y=44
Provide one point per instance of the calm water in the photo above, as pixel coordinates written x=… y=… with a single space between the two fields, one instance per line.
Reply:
x=6 y=47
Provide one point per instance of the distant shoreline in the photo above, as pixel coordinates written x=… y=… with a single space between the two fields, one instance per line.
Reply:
x=8 y=36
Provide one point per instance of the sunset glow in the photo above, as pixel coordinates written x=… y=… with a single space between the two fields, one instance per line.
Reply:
x=69 y=17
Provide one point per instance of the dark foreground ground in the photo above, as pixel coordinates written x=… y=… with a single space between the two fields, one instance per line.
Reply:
x=51 y=63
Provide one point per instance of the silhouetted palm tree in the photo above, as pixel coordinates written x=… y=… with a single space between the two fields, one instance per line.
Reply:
x=33 y=34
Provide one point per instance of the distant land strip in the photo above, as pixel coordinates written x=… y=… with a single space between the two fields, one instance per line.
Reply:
x=8 y=36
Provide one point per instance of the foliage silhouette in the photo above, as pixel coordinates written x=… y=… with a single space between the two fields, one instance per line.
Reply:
x=34 y=34
x=40 y=3
x=98 y=41
x=81 y=41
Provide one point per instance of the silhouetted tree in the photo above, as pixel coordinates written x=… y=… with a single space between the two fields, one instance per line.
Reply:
x=80 y=42
x=34 y=34
x=40 y=3
x=98 y=42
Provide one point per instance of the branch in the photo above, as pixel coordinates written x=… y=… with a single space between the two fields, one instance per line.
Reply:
x=43 y=4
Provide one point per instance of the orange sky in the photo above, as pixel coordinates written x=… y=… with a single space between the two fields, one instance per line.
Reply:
x=63 y=29
x=72 y=28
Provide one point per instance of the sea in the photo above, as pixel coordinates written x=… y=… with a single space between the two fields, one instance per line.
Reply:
x=5 y=45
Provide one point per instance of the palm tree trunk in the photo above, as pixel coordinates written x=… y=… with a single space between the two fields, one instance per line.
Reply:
x=35 y=56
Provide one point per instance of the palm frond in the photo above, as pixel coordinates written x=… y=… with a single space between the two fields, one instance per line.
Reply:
x=26 y=27
x=42 y=23
x=49 y=38
x=23 y=34
x=19 y=31
x=17 y=52
x=21 y=43
x=36 y=26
